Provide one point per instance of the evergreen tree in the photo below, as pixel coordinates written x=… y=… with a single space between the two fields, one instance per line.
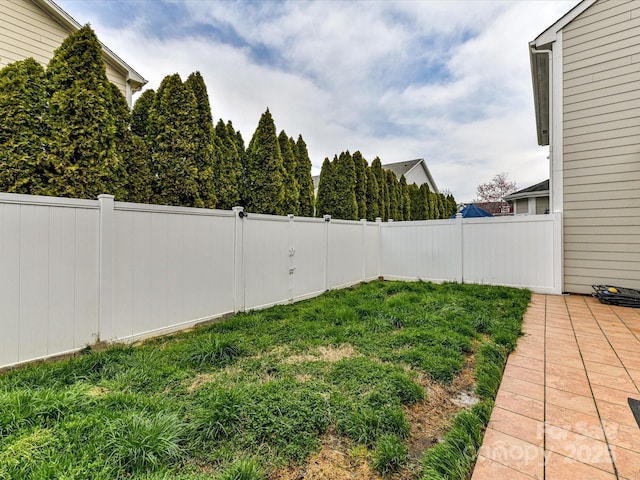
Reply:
x=326 y=199
x=383 y=193
x=82 y=158
x=453 y=205
x=373 y=192
x=264 y=189
x=227 y=171
x=303 y=174
x=205 y=156
x=439 y=206
x=346 y=206
x=405 y=199
x=122 y=120
x=237 y=136
x=22 y=128
x=418 y=203
x=140 y=117
x=291 y=201
x=137 y=161
x=176 y=144
x=361 y=183
x=428 y=203
x=394 y=201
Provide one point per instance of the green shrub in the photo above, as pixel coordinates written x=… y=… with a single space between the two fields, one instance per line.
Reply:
x=365 y=425
x=243 y=470
x=389 y=455
x=213 y=349
x=490 y=361
x=139 y=442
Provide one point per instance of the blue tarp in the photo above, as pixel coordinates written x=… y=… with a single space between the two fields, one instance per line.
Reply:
x=471 y=211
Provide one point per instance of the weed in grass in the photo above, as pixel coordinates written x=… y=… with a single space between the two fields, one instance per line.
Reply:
x=389 y=455
x=213 y=349
x=365 y=424
x=218 y=415
x=139 y=442
x=243 y=470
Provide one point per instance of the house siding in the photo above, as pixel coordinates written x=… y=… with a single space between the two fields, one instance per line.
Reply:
x=601 y=146
x=28 y=31
x=542 y=205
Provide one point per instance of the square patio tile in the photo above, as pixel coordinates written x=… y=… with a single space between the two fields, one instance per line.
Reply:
x=514 y=453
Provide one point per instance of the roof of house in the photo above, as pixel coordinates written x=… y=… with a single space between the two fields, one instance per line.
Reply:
x=399 y=169
x=541 y=70
x=136 y=80
x=538 y=190
x=403 y=168
x=472 y=211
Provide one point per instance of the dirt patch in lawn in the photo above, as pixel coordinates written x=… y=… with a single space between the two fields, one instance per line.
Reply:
x=340 y=459
x=323 y=354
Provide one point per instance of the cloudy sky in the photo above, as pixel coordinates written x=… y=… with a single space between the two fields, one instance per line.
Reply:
x=447 y=81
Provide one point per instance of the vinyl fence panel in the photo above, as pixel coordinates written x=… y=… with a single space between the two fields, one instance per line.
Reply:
x=48 y=276
x=309 y=259
x=346 y=254
x=172 y=266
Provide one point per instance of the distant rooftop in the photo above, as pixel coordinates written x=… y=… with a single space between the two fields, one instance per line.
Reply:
x=539 y=189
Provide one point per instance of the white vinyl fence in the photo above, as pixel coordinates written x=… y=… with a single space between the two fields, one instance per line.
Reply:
x=73 y=272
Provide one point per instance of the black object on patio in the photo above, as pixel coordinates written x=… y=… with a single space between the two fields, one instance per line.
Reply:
x=624 y=297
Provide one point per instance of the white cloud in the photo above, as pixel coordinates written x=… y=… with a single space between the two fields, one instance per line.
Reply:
x=446 y=81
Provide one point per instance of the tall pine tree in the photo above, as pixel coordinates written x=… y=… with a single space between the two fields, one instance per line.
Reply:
x=361 y=183
x=405 y=199
x=418 y=203
x=373 y=200
x=346 y=206
x=176 y=141
x=205 y=155
x=303 y=175
x=82 y=158
x=291 y=200
x=394 y=200
x=22 y=113
x=227 y=172
x=264 y=187
x=326 y=199
x=383 y=192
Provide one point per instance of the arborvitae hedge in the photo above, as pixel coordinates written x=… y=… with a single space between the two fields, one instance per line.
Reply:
x=373 y=192
x=303 y=175
x=326 y=199
x=227 y=172
x=405 y=199
x=290 y=202
x=263 y=170
x=383 y=193
x=23 y=105
x=345 y=180
x=176 y=141
x=361 y=184
x=82 y=158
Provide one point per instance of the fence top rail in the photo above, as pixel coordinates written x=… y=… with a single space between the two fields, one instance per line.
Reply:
x=169 y=209
x=513 y=219
x=41 y=200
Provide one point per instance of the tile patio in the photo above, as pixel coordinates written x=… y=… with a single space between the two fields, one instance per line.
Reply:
x=562 y=408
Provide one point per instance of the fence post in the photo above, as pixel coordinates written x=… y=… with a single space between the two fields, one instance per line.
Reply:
x=238 y=260
x=105 y=265
x=292 y=252
x=327 y=221
x=460 y=240
x=379 y=245
x=363 y=221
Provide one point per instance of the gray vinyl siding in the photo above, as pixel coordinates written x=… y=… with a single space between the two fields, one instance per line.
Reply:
x=542 y=205
x=28 y=31
x=521 y=206
x=601 y=146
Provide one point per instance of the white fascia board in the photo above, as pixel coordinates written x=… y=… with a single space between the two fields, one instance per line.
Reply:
x=549 y=35
x=516 y=196
x=433 y=185
x=136 y=80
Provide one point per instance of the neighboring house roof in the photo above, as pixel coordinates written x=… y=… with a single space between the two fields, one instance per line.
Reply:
x=495 y=208
x=406 y=167
x=472 y=211
x=399 y=169
x=540 y=68
x=538 y=190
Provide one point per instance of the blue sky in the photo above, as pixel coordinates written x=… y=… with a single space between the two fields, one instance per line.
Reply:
x=447 y=81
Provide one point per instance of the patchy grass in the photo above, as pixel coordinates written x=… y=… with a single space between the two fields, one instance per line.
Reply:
x=362 y=378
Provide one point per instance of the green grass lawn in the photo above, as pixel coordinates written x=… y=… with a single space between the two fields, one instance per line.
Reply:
x=245 y=397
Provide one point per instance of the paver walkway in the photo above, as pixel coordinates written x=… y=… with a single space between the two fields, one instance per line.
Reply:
x=562 y=410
